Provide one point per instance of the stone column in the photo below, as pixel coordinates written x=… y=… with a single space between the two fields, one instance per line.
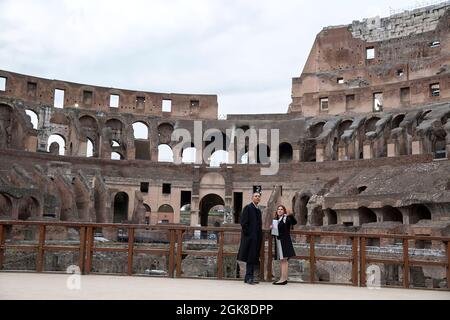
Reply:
x=320 y=153
x=417 y=147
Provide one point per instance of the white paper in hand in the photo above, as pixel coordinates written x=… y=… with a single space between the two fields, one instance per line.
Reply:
x=275 y=228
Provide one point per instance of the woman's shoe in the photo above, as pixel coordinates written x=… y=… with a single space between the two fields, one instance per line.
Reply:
x=281 y=283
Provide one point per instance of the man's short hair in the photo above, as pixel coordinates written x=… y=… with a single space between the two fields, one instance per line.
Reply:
x=258 y=193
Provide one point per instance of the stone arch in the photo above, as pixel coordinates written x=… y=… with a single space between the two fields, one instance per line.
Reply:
x=206 y=204
x=5 y=205
x=344 y=126
x=397 y=120
x=116 y=155
x=165 y=213
x=439 y=144
x=165 y=153
x=88 y=122
x=371 y=124
x=286 y=153
x=331 y=217
x=392 y=214
x=56 y=144
x=211 y=179
x=115 y=124
x=28 y=207
x=121 y=203
x=419 y=212
x=60 y=118
x=34 y=118
x=300 y=205
x=366 y=216
x=140 y=130
x=165 y=131
x=317 y=129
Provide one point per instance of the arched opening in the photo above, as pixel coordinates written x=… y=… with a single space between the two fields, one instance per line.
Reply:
x=56 y=145
x=331 y=216
x=116 y=156
x=317 y=130
x=371 y=124
x=440 y=144
x=120 y=208
x=392 y=214
x=217 y=158
x=165 y=131
x=317 y=217
x=302 y=210
x=419 y=212
x=88 y=123
x=344 y=126
x=422 y=117
x=286 y=153
x=28 y=207
x=140 y=131
x=263 y=154
x=165 y=153
x=189 y=155
x=33 y=118
x=397 y=121
x=89 y=148
x=207 y=203
x=148 y=212
x=309 y=150
x=165 y=214
x=5 y=206
x=366 y=216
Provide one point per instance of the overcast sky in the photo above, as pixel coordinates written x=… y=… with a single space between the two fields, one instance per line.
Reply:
x=246 y=52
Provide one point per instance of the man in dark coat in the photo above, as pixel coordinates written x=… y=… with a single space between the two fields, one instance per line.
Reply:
x=251 y=237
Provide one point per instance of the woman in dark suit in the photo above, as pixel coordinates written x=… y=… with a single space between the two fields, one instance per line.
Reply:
x=284 y=250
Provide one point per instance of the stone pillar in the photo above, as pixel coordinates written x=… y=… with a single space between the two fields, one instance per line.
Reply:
x=368 y=151
x=296 y=155
x=393 y=150
x=320 y=153
x=405 y=212
x=417 y=147
x=195 y=219
x=342 y=152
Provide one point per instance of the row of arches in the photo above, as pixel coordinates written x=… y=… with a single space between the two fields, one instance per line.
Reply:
x=25 y=208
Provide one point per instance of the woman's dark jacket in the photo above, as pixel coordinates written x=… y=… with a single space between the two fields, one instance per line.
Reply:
x=251 y=237
x=284 y=235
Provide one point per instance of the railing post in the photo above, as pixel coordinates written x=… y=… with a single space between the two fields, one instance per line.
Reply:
x=262 y=265
x=40 y=255
x=179 y=252
x=220 y=256
x=89 y=250
x=82 y=248
x=130 y=251
x=355 y=261
x=2 y=242
x=406 y=263
x=171 y=252
x=270 y=259
x=312 y=259
x=362 y=276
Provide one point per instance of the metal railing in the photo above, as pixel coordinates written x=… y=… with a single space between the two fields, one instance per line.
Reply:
x=359 y=258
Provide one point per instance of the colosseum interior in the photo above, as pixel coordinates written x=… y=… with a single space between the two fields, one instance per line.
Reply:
x=364 y=146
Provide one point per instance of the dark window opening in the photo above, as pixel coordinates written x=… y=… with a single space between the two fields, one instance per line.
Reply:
x=185 y=198
x=340 y=80
x=324 y=104
x=362 y=189
x=348 y=224
x=167 y=188
x=32 y=89
x=195 y=103
x=140 y=102
x=87 y=98
x=145 y=187
x=435 y=44
x=435 y=90
x=373 y=242
x=238 y=200
x=400 y=72
x=423 y=244
x=405 y=94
